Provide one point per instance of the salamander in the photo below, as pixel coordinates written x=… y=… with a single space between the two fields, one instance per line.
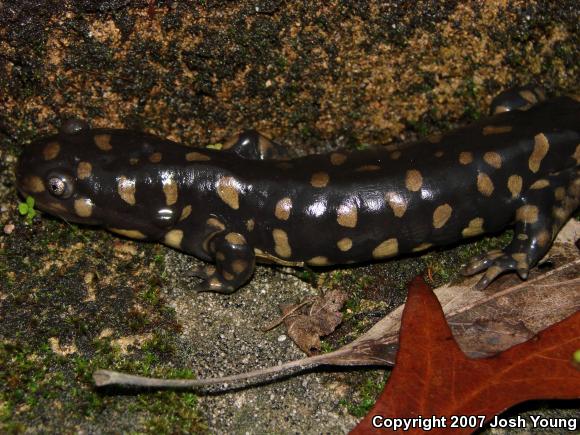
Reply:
x=248 y=202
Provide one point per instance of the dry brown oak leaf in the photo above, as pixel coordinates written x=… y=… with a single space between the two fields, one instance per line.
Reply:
x=320 y=319
x=432 y=376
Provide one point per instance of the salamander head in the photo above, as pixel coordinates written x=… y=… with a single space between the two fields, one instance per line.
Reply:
x=76 y=175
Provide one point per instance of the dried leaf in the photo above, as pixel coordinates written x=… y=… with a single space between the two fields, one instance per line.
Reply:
x=433 y=377
x=323 y=316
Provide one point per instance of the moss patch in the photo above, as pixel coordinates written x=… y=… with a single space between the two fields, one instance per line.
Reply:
x=69 y=316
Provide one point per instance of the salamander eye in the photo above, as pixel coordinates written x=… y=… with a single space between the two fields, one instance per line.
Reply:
x=60 y=186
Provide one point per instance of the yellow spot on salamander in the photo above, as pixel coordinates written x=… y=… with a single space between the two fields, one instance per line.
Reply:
x=560 y=193
x=133 y=234
x=496 y=129
x=465 y=157
x=492 y=159
x=413 y=180
x=576 y=155
x=441 y=215
x=484 y=184
x=368 y=168
x=215 y=223
x=543 y=238
x=281 y=244
x=228 y=276
x=51 y=150
x=126 y=189
x=388 y=248
x=236 y=239
x=250 y=224
x=500 y=109
x=318 y=261
x=474 y=228
x=347 y=215
x=227 y=189
x=319 y=179
x=173 y=238
x=521 y=260
x=194 y=156
x=170 y=190
x=560 y=214
x=185 y=212
x=238 y=266
x=83 y=207
x=422 y=247
x=283 y=208
x=395 y=155
x=103 y=142
x=435 y=138
x=230 y=142
x=337 y=159
x=527 y=214
x=514 y=184
x=84 y=170
x=541 y=148
x=155 y=157
x=33 y=184
x=397 y=203
x=540 y=184
x=529 y=96
x=344 y=244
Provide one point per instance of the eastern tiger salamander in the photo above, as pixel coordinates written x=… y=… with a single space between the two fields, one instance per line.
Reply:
x=247 y=202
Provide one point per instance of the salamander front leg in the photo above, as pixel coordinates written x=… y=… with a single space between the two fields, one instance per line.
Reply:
x=234 y=264
x=548 y=204
x=520 y=98
x=253 y=145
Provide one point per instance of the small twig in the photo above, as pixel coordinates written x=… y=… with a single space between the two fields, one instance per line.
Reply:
x=108 y=378
x=279 y=321
x=347 y=356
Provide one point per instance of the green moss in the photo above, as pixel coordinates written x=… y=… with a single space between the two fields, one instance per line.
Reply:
x=39 y=387
x=38 y=382
x=326 y=347
x=366 y=396
x=171 y=413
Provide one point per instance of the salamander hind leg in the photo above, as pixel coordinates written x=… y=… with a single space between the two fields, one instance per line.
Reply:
x=547 y=205
x=234 y=264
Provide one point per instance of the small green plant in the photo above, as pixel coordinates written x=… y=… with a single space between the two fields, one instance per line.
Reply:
x=325 y=347
x=576 y=357
x=27 y=209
